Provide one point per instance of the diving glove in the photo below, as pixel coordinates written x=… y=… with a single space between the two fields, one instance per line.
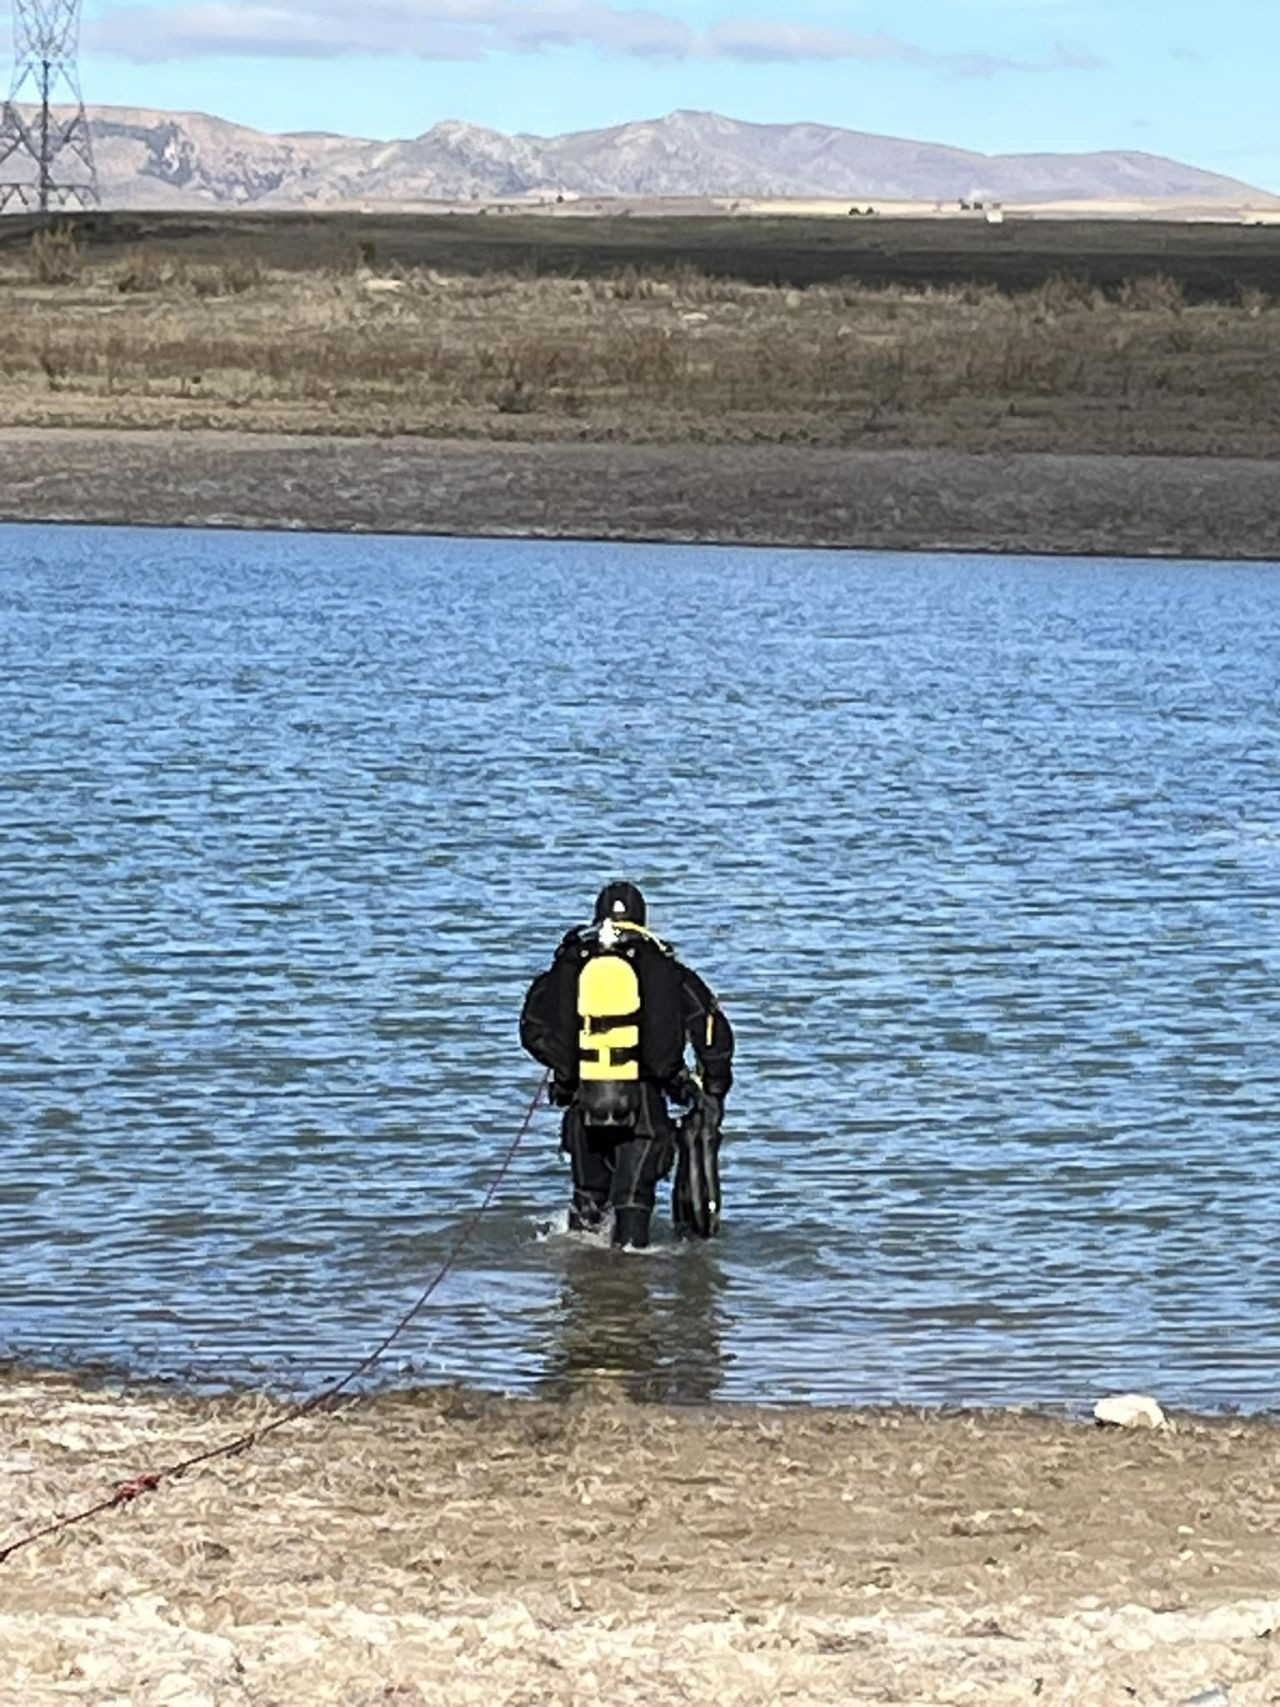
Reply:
x=685 y=1091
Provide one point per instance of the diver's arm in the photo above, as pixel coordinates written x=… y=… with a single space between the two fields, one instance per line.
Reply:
x=548 y=1022
x=709 y=1032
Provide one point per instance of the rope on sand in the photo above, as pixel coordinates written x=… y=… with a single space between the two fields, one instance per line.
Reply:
x=150 y=1481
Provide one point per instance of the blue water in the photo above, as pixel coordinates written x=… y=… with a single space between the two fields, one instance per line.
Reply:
x=982 y=856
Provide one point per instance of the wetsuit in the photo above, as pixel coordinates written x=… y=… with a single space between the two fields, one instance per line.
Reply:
x=618 y=1166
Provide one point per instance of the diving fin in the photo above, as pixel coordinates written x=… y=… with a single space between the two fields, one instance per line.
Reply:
x=695 y=1198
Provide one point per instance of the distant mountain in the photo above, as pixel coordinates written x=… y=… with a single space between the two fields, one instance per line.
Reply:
x=157 y=160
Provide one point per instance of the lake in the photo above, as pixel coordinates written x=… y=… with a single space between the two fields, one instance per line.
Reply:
x=982 y=857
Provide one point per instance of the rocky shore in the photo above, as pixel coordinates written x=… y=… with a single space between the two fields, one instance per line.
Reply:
x=887 y=500
x=447 y=1547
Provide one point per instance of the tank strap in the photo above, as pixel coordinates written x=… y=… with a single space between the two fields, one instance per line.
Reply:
x=617 y=1057
x=595 y=1023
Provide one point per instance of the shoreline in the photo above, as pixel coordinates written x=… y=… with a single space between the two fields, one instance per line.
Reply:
x=450 y=1547
x=780 y=497
x=104 y=1382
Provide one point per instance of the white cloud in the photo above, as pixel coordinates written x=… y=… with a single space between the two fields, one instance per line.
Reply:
x=423 y=29
x=992 y=65
x=475 y=29
x=761 y=39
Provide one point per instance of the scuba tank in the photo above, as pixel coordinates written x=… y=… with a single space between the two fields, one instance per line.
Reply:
x=609 y=1010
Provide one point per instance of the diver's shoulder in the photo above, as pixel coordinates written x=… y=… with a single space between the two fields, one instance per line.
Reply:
x=664 y=951
x=583 y=940
x=574 y=939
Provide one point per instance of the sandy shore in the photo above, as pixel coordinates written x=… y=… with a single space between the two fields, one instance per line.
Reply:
x=448 y=1548
x=779 y=495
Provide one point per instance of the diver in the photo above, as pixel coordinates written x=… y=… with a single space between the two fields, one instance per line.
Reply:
x=612 y=1019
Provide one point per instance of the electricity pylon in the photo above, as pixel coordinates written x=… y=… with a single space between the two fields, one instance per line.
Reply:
x=46 y=154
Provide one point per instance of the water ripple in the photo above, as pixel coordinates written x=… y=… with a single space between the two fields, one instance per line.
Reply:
x=984 y=858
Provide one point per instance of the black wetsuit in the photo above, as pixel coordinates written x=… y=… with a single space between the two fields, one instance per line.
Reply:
x=618 y=1167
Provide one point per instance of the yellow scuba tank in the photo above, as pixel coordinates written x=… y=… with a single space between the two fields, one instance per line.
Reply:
x=609 y=1009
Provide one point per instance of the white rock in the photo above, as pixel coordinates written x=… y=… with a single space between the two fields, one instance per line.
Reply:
x=1129 y=1410
x=177 y=1690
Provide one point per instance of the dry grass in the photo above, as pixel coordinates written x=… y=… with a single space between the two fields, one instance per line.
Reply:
x=56 y=258
x=447 y=1549
x=150 y=338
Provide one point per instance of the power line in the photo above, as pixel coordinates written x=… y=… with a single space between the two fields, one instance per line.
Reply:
x=46 y=153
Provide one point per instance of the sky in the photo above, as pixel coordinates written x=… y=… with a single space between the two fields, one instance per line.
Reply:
x=1175 y=77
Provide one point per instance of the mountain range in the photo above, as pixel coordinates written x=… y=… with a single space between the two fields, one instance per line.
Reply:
x=151 y=159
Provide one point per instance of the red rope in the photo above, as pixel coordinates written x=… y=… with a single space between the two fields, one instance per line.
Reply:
x=125 y=1493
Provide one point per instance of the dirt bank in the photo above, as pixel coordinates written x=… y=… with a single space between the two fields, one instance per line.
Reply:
x=446 y=1548
x=883 y=500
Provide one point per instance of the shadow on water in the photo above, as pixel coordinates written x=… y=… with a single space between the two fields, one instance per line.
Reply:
x=650 y=1328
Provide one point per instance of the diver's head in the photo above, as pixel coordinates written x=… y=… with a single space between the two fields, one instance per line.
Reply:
x=620 y=902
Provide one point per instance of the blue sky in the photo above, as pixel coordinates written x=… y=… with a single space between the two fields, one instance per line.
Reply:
x=1192 y=80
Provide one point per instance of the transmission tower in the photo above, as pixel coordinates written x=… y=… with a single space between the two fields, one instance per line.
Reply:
x=46 y=154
